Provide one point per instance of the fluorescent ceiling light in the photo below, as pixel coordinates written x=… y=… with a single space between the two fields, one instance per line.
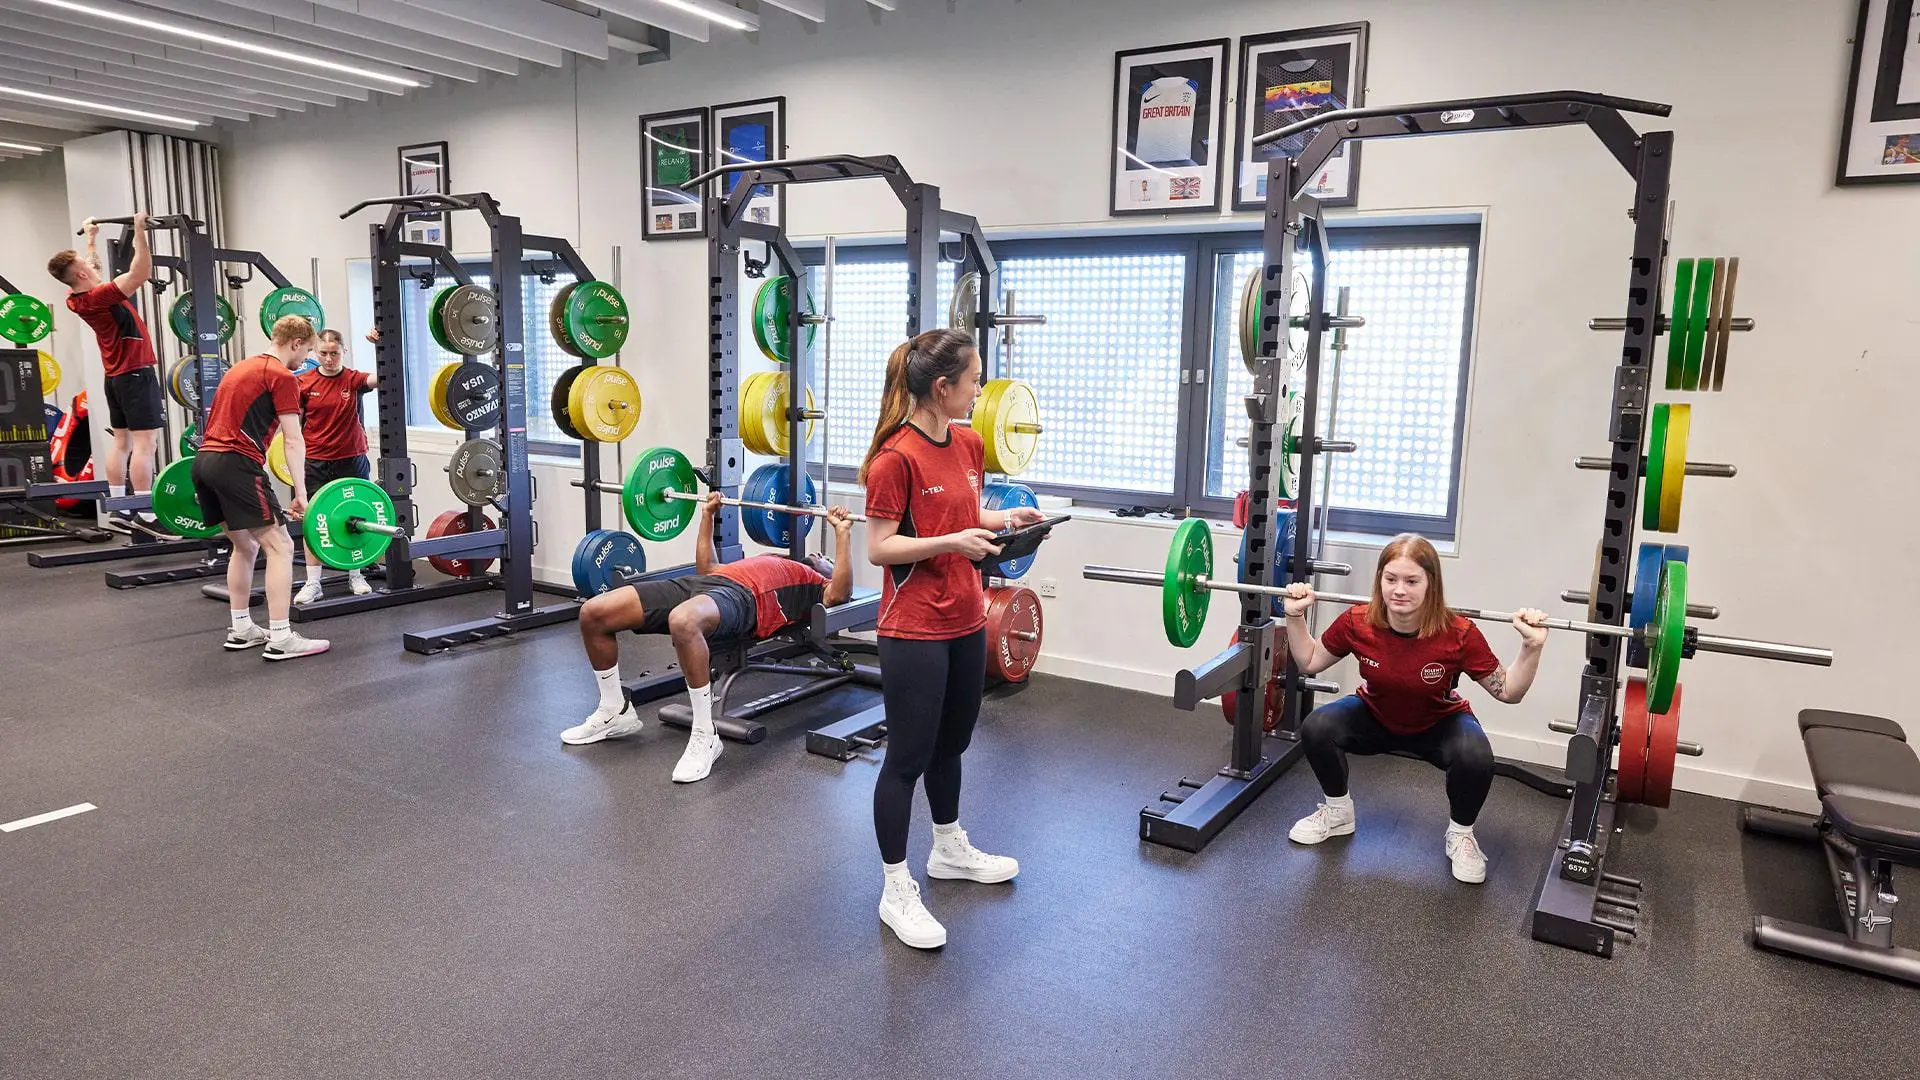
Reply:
x=219 y=39
x=101 y=107
x=22 y=146
x=702 y=10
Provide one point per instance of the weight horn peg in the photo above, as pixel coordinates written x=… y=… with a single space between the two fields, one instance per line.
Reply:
x=1694 y=468
x=1694 y=611
x=1689 y=749
x=1738 y=326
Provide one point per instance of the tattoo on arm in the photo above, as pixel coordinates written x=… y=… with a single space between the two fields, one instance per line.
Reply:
x=1496 y=683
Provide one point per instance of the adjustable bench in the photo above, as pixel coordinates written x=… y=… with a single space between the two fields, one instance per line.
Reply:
x=1868 y=780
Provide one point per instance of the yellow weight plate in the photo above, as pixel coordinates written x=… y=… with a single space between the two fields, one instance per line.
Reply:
x=1679 y=422
x=604 y=403
x=1014 y=429
x=982 y=419
x=752 y=428
x=763 y=411
x=437 y=395
x=49 y=376
x=277 y=459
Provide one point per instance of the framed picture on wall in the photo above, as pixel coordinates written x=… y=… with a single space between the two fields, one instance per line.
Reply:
x=745 y=132
x=423 y=171
x=1880 y=143
x=1169 y=123
x=1285 y=78
x=673 y=150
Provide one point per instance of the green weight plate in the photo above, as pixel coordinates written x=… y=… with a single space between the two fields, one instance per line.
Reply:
x=434 y=325
x=24 y=319
x=1666 y=637
x=643 y=498
x=333 y=514
x=190 y=441
x=1299 y=306
x=1656 y=470
x=561 y=399
x=1250 y=322
x=1697 y=313
x=772 y=307
x=1184 y=607
x=176 y=505
x=557 y=321
x=180 y=318
x=1677 y=323
x=290 y=300
x=1290 y=450
x=596 y=319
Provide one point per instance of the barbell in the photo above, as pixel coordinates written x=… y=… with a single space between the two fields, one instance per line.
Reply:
x=659 y=498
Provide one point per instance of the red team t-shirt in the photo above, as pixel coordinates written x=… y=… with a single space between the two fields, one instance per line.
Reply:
x=932 y=489
x=1408 y=681
x=330 y=414
x=784 y=590
x=124 y=345
x=247 y=407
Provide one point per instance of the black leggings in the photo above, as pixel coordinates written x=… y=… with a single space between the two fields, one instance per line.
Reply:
x=1456 y=744
x=932 y=691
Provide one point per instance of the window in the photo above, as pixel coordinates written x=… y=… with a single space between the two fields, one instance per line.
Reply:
x=545 y=359
x=1139 y=374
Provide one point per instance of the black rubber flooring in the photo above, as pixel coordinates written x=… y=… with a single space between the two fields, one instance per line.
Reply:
x=375 y=864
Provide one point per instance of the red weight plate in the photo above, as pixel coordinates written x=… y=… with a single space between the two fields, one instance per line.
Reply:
x=452 y=523
x=1275 y=699
x=1015 y=629
x=1630 y=782
x=1242 y=510
x=1663 y=740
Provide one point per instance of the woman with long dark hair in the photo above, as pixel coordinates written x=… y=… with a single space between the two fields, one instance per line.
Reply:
x=926 y=527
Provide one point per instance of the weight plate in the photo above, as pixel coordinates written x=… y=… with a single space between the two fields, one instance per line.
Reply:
x=290 y=300
x=437 y=394
x=605 y=560
x=173 y=382
x=1677 y=323
x=1663 y=746
x=772 y=307
x=309 y=364
x=1593 y=590
x=49 y=376
x=1666 y=635
x=643 y=498
x=435 y=326
x=190 y=441
x=185 y=382
x=180 y=317
x=1230 y=701
x=965 y=304
x=472 y=396
x=557 y=321
x=470 y=318
x=752 y=425
x=24 y=319
x=277 y=459
x=176 y=505
x=1726 y=323
x=763 y=411
x=1005 y=496
x=1656 y=470
x=1679 y=425
x=1629 y=781
x=1011 y=436
x=1646 y=595
x=55 y=418
x=1716 y=318
x=604 y=403
x=476 y=473
x=1299 y=306
x=1183 y=606
x=454 y=523
x=1289 y=478
x=1250 y=322
x=333 y=514
x=774 y=528
x=1015 y=627
x=595 y=317
x=1697 y=313
x=558 y=402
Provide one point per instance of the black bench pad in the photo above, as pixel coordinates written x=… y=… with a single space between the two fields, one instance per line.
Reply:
x=1869 y=782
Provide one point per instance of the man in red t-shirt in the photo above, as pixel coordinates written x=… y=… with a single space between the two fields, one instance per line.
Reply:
x=336 y=439
x=1411 y=650
x=135 y=410
x=748 y=600
x=259 y=395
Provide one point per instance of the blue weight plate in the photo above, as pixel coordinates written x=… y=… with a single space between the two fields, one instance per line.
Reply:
x=1646 y=594
x=1006 y=498
x=758 y=523
x=582 y=559
x=605 y=558
x=54 y=416
x=771 y=528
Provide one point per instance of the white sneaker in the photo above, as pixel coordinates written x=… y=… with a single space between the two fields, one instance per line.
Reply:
x=1469 y=862
x=309 y=594
x=253 y=635
x=907 y=917
x=357 y=584
x=955 y=858
x=602 y=724
x=294 y=646
x=1324 y=822
x=697 y=762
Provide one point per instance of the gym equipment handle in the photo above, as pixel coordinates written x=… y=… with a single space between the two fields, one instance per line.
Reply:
x=1762 y=650
x=1691 y=749
x=1738 y=326
x=1694 y=611
x=1509 y=101
x=1694 y=468
x=419 y=202
x=164 y=221
x=787 y=163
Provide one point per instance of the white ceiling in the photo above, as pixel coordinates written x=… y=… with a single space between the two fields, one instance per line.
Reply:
x=86 y=53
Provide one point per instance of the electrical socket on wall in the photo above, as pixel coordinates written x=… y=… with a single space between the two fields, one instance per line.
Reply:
x=1049 y=587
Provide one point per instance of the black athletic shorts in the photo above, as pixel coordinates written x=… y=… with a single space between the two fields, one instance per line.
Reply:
x=321 y=473
x=233 y=491
x=739 y=615
x=133 y=400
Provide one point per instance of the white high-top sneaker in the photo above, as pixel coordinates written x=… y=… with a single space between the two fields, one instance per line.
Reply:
x=907 y=917
x=1327 y=820
x=955 y=858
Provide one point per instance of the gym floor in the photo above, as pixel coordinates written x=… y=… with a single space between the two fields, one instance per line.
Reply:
x=375 y=864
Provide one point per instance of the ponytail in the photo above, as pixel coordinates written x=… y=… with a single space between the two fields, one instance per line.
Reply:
x=911 y=372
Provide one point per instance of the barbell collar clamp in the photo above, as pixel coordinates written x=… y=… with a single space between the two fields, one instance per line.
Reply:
x=1694 y=611
x=1694 y=468
x=1738 y=326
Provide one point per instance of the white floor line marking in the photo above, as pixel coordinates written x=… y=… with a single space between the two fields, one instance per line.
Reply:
x=51 y=815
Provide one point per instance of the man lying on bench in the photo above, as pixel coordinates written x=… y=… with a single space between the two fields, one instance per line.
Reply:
x=749 y=600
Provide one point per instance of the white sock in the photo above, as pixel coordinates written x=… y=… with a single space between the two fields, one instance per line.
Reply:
x=242 y=619
x=1341 y=802
x=116 y=490
x=313 y=573
x=355 y=575
x=1454 y=828
x=951 y=828
x=279 y=630
x=896 y=871
x=702 y=698
x=612 y=697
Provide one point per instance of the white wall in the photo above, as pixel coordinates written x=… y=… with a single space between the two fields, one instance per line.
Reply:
x=1005 y=104
x=33 y=211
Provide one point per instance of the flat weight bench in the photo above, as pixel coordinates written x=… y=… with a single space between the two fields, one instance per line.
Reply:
x=1868 y=780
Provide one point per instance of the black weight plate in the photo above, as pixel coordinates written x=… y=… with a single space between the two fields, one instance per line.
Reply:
x=473 y=396
x=562 y=417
